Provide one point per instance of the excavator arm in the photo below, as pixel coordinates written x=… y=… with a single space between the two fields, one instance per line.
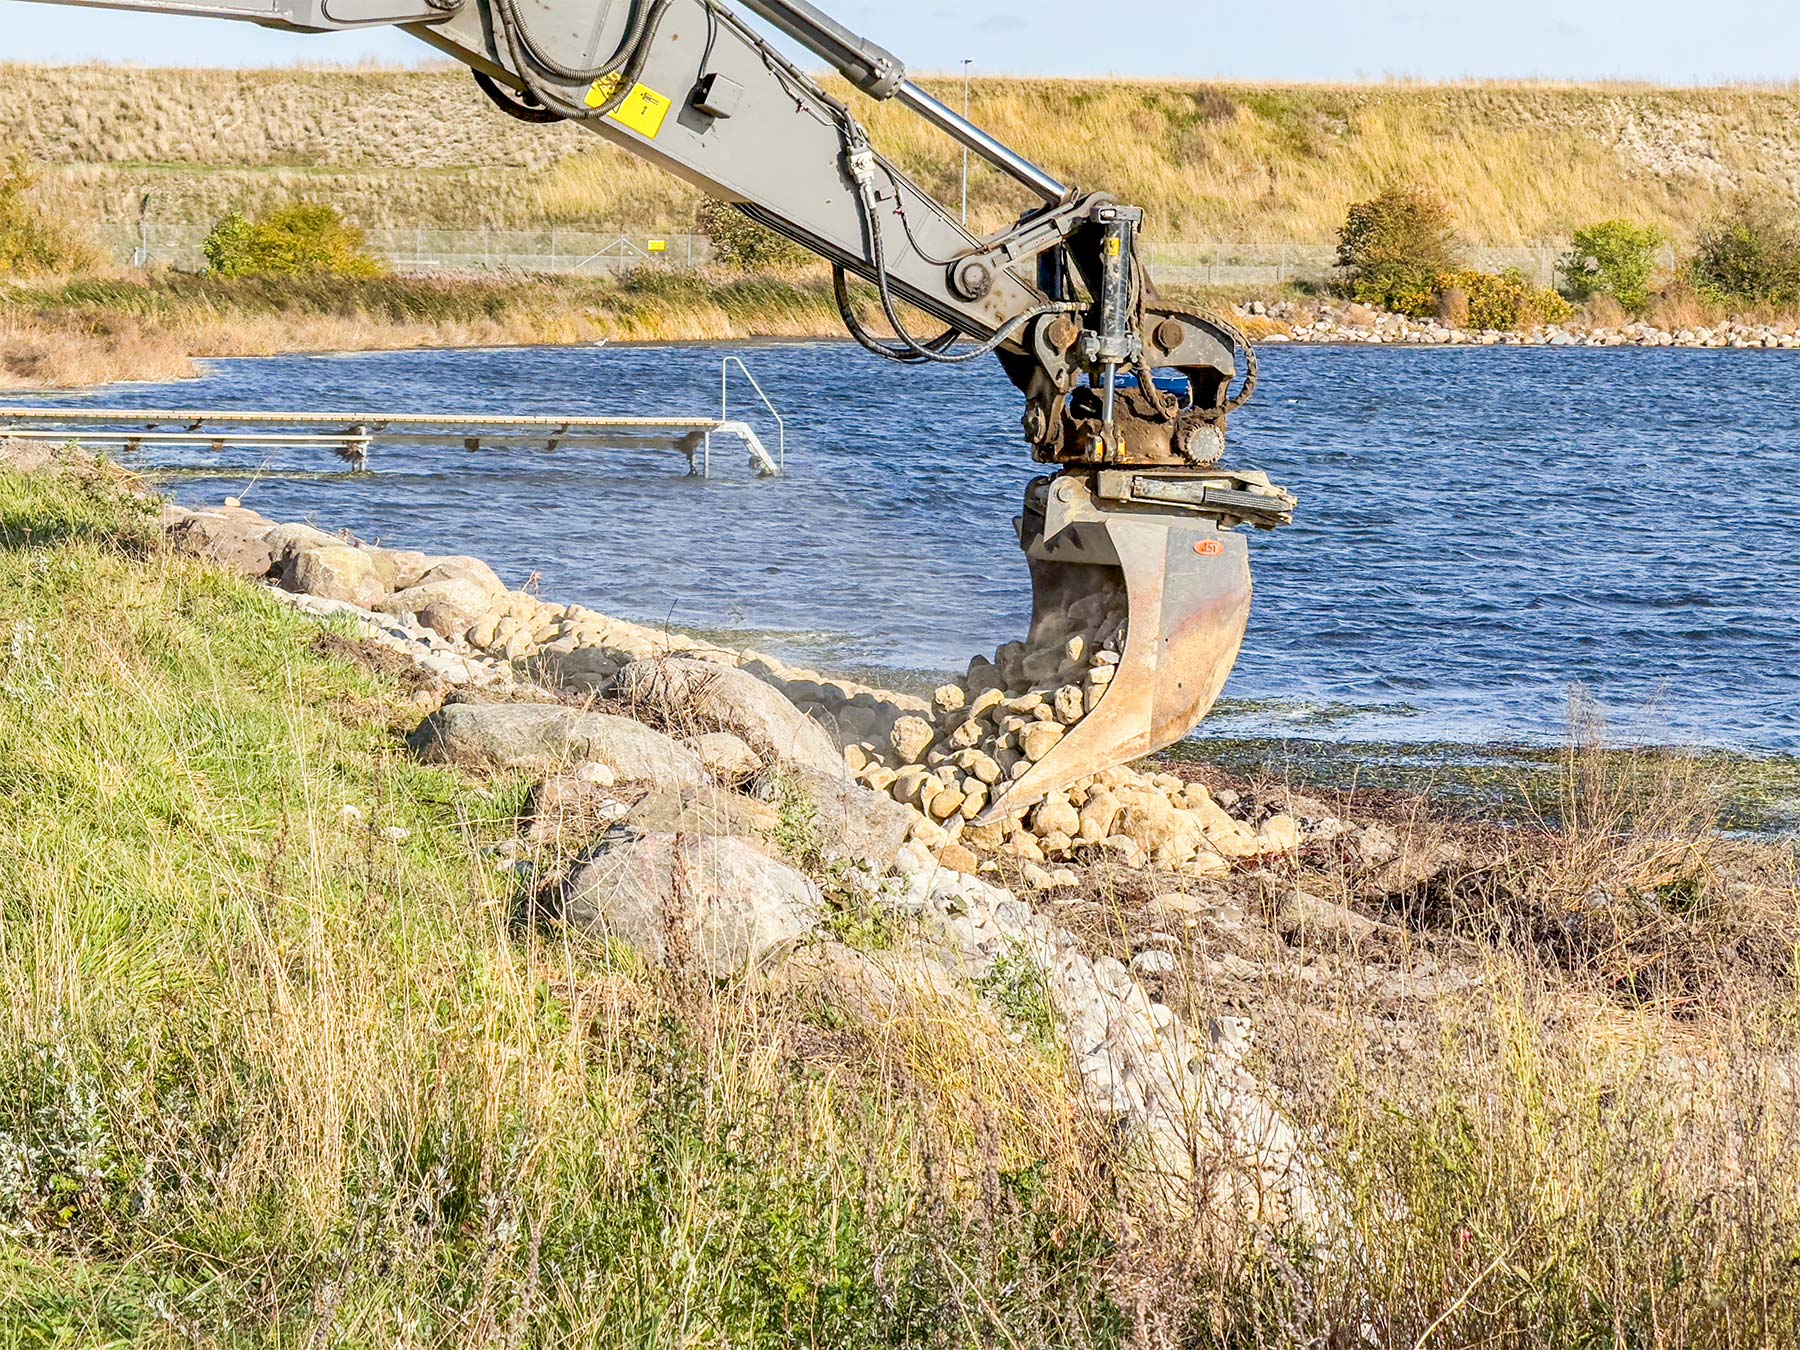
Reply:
x=1128 y=398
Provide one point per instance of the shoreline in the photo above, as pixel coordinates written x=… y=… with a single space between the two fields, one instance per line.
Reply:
x=652 y=934
x=86 y=334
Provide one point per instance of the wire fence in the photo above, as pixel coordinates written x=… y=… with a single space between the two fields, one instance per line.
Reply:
x=571 y=252
x=603 y=252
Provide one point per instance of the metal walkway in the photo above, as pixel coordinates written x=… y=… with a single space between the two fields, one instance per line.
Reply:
x=352 y=435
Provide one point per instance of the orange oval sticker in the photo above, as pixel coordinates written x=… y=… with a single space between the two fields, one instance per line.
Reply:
x=1209 y=548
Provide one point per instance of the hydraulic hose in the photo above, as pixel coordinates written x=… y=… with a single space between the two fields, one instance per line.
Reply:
x=533 y=65
x=911 y=349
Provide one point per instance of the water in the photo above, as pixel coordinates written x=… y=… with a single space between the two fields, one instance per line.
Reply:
x=1479 y=530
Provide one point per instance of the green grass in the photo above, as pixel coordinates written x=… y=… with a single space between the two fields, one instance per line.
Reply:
x=274 y=1073
x=271 y=1075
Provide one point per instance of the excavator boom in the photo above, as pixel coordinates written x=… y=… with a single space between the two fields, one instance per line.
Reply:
x=1127 y=398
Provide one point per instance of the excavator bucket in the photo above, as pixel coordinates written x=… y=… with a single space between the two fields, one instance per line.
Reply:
x=1180 y=580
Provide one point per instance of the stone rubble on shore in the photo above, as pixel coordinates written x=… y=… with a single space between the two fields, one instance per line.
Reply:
x=945 y=759
x=1332 y=321
x=644 y=740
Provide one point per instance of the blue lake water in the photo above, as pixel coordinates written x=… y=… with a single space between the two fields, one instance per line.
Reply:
x=1479 y=532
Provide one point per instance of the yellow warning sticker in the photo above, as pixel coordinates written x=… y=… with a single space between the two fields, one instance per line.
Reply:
x=643 y=110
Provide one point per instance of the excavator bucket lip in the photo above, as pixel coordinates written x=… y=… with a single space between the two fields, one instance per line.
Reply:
x=1189 y=591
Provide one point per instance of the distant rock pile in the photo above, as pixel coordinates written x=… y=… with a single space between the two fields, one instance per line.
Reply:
x=1329 y=321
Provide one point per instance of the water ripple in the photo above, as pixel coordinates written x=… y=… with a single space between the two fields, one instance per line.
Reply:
x=1478 y=529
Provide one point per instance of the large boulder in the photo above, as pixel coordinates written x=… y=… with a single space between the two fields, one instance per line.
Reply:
x=703 y=695
x=464 y=569
x=286 y=540
x=450 y=596
x=548 y=736
x=407 y=566
x=590 y=667
x=449 y=606
x=854 y=823
x=229 y=536
x=706 y=899
x=725 y=756
x=334 y=572
x=707 y=810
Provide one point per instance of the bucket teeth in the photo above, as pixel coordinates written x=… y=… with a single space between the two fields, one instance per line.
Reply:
x=1185 y=586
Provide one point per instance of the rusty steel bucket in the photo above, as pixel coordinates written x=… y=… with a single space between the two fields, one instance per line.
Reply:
x=1184 y=578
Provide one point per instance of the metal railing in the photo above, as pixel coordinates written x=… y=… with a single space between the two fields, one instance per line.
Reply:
x=725 y=405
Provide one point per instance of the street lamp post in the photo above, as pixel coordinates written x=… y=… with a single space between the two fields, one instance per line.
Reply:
x=965 y=175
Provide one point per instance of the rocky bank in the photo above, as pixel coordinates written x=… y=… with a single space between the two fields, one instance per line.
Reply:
x=1325 y=321
x=719 y=810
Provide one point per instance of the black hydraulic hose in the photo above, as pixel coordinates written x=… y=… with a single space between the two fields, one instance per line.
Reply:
x=840 y=287
x=1244 y=394
x=627 y=62
x=635 y=34
x=512 y=105
x=922 y=351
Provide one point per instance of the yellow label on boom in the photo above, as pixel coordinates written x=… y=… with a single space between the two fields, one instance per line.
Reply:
x=643 y=110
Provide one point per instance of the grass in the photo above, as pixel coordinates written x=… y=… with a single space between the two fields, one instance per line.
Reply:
x=91 y=331
x=272 y=1072
x=1755 y=794
x=1519 y=163
x=268 y=1075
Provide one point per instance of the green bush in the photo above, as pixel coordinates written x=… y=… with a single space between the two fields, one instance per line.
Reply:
x=742 y=243
x=1504 y=301
x=296 y=241
x=1394 y=247
x=1750 y=253
x=29 y=244
x=1614 y=258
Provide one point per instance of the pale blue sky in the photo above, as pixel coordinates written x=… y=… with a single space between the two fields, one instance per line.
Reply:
x=1673 y=41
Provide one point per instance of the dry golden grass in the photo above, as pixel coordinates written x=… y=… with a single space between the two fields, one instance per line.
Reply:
x=97 y=330
x=1520 y=163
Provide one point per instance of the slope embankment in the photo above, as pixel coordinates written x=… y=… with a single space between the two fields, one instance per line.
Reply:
x=388 y=955
x=1518 y=163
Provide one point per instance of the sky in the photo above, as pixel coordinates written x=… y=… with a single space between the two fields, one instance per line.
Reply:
x=1668 y=41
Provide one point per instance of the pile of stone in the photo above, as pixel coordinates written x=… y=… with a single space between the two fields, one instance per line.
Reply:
x=1346 y=323
x=946 y=759
x=950 y=758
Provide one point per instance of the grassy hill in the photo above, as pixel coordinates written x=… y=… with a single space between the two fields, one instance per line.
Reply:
x=1520 y=163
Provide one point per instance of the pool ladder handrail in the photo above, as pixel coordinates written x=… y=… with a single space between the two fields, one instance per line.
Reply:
x=725 y=406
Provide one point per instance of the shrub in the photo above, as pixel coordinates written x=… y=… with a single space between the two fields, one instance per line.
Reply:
x=296 y=241
x=1394 y=247
x=29 y=244
x=743 y=243
x=1503 y=301
x=1751 y=253
x=1614 y=258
